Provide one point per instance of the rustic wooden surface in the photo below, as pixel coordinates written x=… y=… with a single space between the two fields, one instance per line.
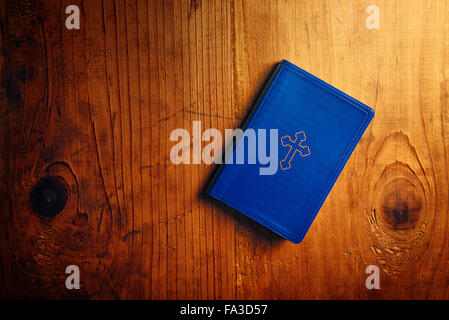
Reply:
x=96 y=106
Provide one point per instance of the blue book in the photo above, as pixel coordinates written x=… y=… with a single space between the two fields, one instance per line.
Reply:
x=310 y=129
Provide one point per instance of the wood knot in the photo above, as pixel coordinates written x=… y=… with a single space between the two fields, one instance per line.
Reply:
x=49 y=196
x=194 y=4
x=401 y=205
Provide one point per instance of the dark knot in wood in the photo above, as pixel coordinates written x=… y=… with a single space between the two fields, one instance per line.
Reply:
x=49 y=196
x=401 y=205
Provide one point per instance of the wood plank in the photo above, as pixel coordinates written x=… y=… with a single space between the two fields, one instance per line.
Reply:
x=96 y=106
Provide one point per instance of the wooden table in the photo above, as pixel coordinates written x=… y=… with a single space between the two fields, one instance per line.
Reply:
x=95 y=106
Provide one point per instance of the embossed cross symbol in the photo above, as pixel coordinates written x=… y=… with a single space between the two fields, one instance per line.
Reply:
x=294 y=146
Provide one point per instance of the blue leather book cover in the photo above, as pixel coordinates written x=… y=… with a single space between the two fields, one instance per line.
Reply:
x=310 y=129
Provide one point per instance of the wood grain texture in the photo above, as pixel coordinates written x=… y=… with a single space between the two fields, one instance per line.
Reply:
x=96 y=106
